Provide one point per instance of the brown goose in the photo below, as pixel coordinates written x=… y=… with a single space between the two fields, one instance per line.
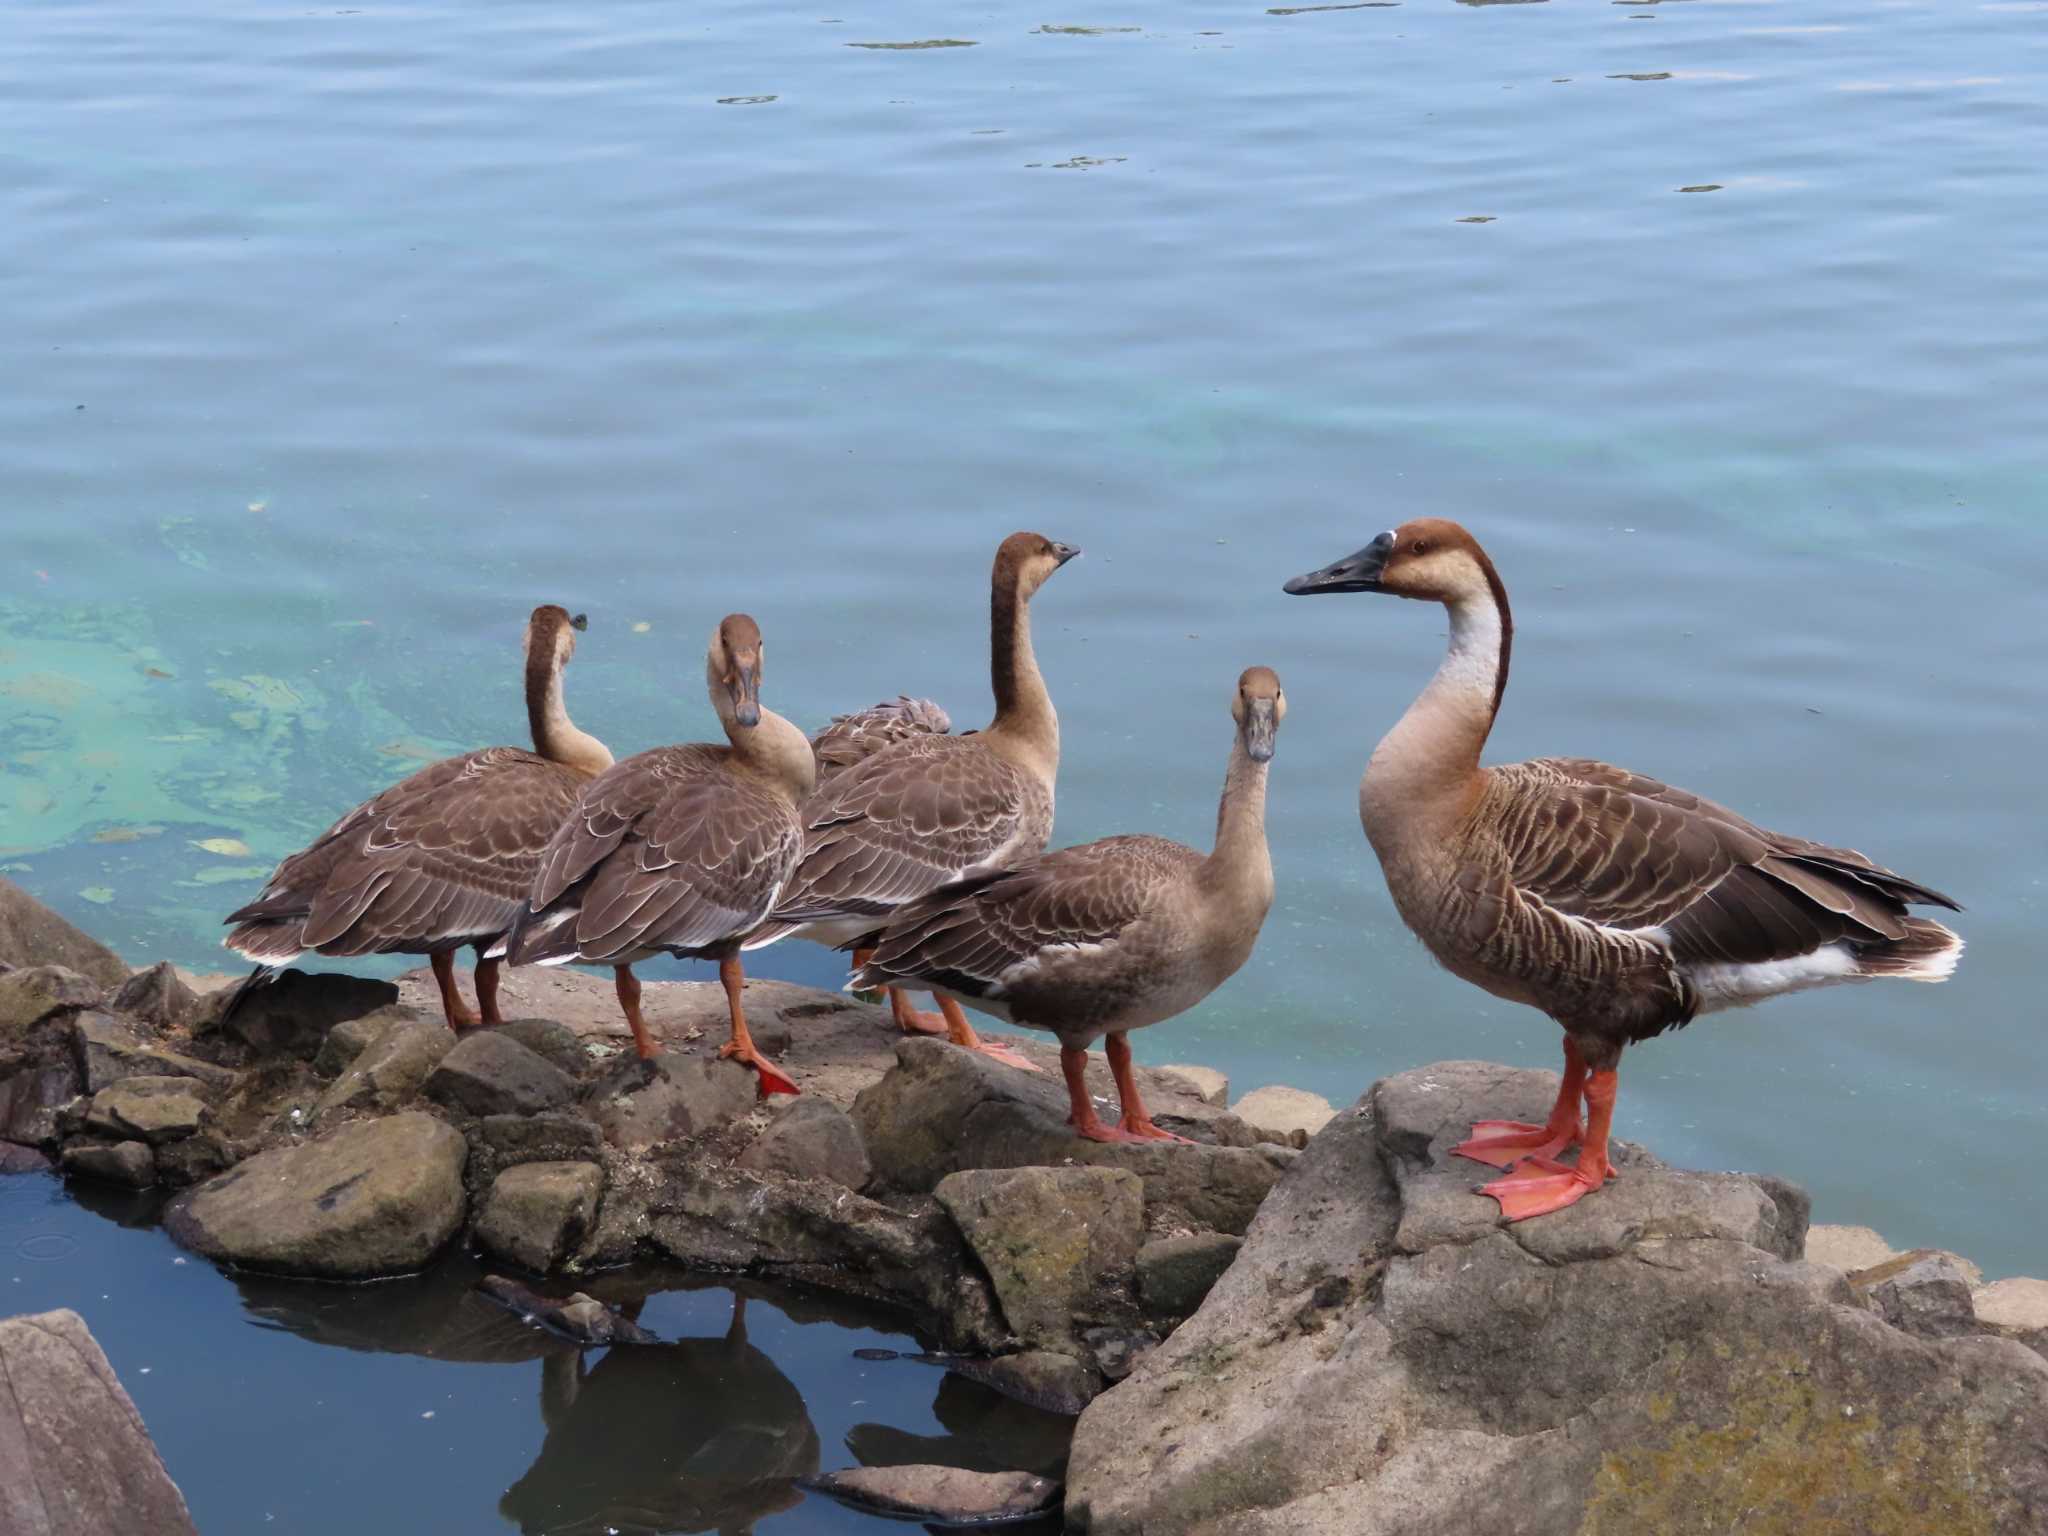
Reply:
x=1107 y=937
x=932 y=809
x=681 y=850
x=1619 y=906
x=442 y=859
x=854 y=738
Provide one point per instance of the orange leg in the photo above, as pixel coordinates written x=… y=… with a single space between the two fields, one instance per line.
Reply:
x=452 y=1006
x=1543 y=1184
x=960 y=1032
x=1082 y=1117
x=487 y=991
x=629 y=1004
x=1507 y=1142
x=909 y=1020
x=1139 y=1124
x=741 y=1046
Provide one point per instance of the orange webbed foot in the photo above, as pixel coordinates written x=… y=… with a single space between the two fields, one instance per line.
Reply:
x=773 y=1079
x=1542 y=1185
x=1504 y=1143
x=1006 y=1055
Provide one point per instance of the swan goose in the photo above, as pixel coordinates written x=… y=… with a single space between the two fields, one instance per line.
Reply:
x=1620 y=906
x=933 y=808
x=680 y=850
x=444 y=858
x=1107 y=937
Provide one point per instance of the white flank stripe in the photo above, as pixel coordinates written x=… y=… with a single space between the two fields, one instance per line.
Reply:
x=1738 y=984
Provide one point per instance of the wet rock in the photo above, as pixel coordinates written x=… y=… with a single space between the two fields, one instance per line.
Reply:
x=74 y=1455
x=158 y=998
x=1175 y=1273
x=941 y=1109
x=536 y=1213
x=810 y=1139
x=378 y=1197
x=579 y=1317
x=32 y=1099
x=639 y=1104
x=1561 y=1375
x=551 y=1138
x=1211 y=1086
x=151 y=1109
x=1043 y=1378
x=1287 y=1115
x=31 y=934
x=1057 y=1244
x=489 y=1073
x=122 y=1162
x=108 y=1050
x=557 y=1044
x=34 y=993
x=1925 y=1292
x=390 y=1069
x=291 y=1015
x=948 y=1496
x=14 y=1159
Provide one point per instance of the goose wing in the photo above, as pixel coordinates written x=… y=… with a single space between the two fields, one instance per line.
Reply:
x=982 y=936
x=856 y=737
x=443 y=856
x=1622 y=851
x=670 y=849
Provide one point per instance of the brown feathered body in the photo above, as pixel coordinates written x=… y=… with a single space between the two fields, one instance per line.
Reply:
x=856 y=737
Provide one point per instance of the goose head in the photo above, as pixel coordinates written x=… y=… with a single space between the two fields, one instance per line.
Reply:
x=1025 y=560
x=732 y=671
x=1258 y=707
x=1431 y=558
x=551 y=633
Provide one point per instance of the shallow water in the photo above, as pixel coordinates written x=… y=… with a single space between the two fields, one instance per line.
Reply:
x=414 y=1405
x=340 y=337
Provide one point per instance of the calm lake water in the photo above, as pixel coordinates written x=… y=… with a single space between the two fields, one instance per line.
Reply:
x=338 y=338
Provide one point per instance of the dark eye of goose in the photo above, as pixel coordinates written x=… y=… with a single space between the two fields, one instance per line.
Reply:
x=1419 y=547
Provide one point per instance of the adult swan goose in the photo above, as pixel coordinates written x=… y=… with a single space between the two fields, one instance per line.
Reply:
x=1619 y=906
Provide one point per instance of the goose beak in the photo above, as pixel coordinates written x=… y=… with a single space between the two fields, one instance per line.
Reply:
x=745 y=686
x=1354 y=573
x=580 y=623
x=1062 y=553
x=1260 y=727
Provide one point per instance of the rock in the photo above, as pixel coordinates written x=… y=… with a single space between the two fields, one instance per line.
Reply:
x=580 y=1318
x=378 y=1197
x=537 y=1213
x=1057 y=1244
x=74 y=1455
x=109 y=1050
x=1043 y=1378
x=1358 y=1371
x=1847 y=1248
x=390 y=1069
x=32 y=994
x=941 y=1109
x=31 y=934
x=347 y=1040
x=14 y=1159
x=31 y=1099
x=557 y=1044
x=1923 y=1292
x=1209 y=1085
x=1175 y=1273
x=123 y=1162
x=810 y=1139
x=561 y=1137
x=489 y=1073
x=681 y=1096
x=158 y=997
x=1287 y=1115
x=950 y=1496
x=153 y=1109
x=291 y=1015
x=2014 y=1306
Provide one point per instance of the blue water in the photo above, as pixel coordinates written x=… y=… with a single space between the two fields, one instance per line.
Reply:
x=338 y=338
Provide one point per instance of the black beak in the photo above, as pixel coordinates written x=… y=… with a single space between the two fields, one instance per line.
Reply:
x=745 y=684
x=1259 y=729
x=1354 y=573
x=1064 y=552
x=580 y=622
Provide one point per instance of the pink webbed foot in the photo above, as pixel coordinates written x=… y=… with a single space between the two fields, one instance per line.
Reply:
x=773 y=1079
x=1504 y=1143
x=1003 y=1053
x=1543 y=1185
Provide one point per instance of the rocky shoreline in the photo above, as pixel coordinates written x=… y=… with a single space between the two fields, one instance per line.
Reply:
x=1262 y=1338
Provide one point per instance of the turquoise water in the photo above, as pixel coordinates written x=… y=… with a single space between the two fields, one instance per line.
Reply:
x=340 y=337
x=413 y=1405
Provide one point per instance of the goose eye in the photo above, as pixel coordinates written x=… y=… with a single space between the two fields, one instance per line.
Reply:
x=1419 y=547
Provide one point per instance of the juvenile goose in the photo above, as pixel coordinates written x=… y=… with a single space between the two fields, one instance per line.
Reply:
x=442 y=859
x=1106 y=937
x=680 y=850
x=1619 y=906
x=932 y=809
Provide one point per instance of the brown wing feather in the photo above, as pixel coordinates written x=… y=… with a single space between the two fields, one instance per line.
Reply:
x=856 y=737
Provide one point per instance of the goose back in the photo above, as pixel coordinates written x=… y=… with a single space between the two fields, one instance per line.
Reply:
x=856 y=737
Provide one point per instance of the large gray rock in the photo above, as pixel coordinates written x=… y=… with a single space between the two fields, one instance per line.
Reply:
x=151 y=1109
x=18 y=1159
x=1654 y=1358
x=1175 y=1273
x=810 y=1139
x=74 y=1455
x=489 y=1073
x=291 y=1015
x=557 y=1044
x=641 y=1104
x=942 y=1109
x=31 y=934
x=388 y=1072
x=1289 y=1115
x=32 y=1099
x=130 y=1163
x=1057 y=1244
x=108 y=1049
x=948 y=1496
x=348 y=1039
x=378 y=1197
x=158 y=997
x=1925 y=1292
x=536 y=1213
x=34 y=993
